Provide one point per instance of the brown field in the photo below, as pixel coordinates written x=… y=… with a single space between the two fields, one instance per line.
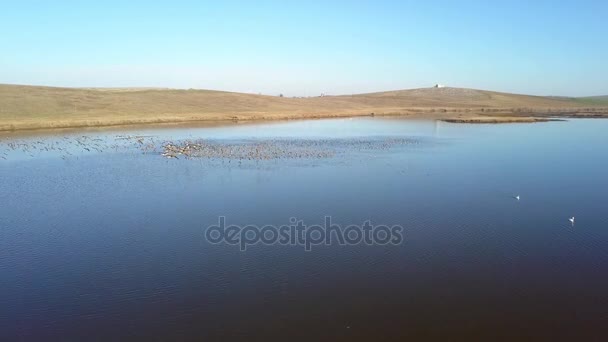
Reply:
x=35 y=107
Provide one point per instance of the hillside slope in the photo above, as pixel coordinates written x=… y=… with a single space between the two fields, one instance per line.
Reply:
x=593 y=100
x=27 y=107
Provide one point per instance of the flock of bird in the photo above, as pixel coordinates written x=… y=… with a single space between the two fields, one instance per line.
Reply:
x=68 y=146
x=244 y=150
x=275 y=148
x=571 y=220
x=73 y=146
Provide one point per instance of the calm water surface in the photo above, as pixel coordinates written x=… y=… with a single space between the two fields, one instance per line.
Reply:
x=108 y=243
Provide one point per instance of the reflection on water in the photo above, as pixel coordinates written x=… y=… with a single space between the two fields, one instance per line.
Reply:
x=101 y=237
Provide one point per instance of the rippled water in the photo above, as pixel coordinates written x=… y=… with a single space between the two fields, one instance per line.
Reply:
x=102 y=238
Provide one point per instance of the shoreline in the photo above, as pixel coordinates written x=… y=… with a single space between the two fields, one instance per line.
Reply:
x=464 y=117
x=500 y=120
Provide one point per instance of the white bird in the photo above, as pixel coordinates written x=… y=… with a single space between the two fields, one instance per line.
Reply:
x=571 y=220
x=517 y=197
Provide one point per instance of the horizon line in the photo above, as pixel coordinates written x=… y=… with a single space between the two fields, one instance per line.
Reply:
x=322 y=94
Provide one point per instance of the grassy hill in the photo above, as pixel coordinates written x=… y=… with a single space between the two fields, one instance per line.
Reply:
x=593 y=100
x=28 y=107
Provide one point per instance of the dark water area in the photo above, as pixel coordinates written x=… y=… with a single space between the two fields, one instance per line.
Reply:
x=107 y=243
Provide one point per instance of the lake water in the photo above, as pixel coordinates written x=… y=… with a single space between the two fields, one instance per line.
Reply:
x=102 y=238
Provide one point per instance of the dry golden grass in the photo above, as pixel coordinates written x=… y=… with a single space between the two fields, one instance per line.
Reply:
x=31 y=107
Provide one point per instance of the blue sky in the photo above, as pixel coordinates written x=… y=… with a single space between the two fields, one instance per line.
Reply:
x=308 y=47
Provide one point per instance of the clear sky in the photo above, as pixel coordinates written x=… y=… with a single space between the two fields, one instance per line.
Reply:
x=308 y=47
